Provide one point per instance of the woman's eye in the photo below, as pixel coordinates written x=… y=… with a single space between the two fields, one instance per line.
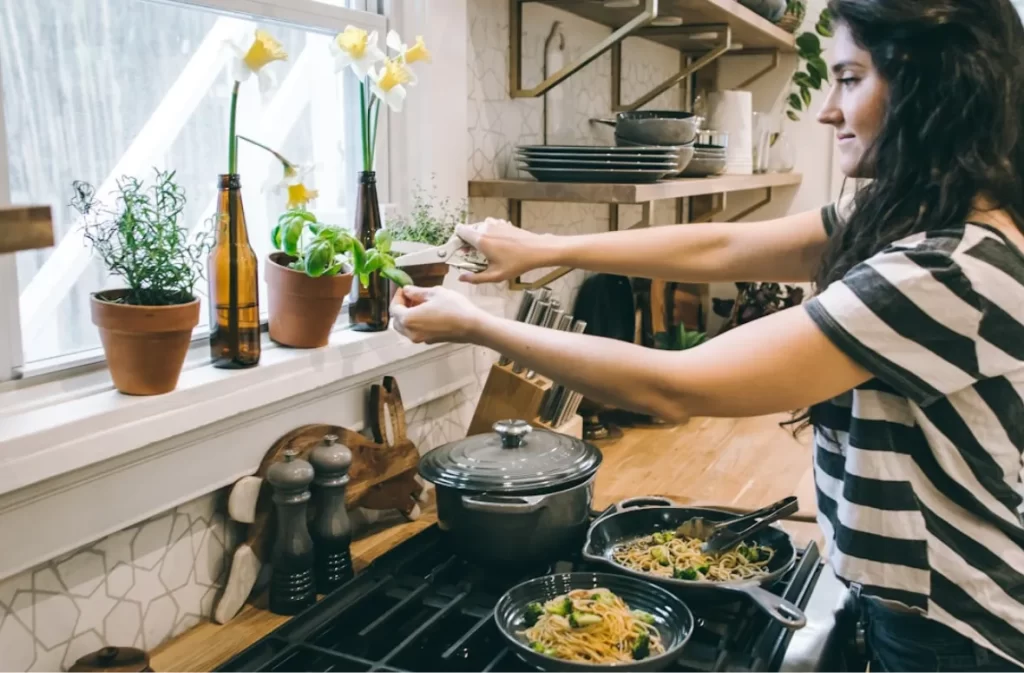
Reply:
x=848 y=81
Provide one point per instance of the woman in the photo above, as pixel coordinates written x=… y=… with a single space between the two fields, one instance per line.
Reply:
x=910 y=357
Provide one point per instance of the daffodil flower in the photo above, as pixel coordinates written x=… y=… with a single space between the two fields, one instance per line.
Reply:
x=253 y=57
x=390 y=81
x=356 y=48
x=299 y=193
x=407 y=54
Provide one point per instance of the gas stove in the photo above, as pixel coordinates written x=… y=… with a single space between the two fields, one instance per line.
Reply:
x=422 y=608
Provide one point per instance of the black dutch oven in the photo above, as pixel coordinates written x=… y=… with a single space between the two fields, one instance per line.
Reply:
x=519 y=496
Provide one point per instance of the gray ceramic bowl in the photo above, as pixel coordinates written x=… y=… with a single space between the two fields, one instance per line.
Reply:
x=700 y=167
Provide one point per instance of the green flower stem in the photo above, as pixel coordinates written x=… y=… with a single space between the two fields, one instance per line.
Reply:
x=277 y=154
x=232 y=139
x=363 y=125
x=375 y=108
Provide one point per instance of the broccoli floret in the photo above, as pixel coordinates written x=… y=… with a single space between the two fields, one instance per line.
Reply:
x=645 y=617
x=642 y=647
x=532 y=613
x=703 y=570
x=603 y=597
x=543 y=649
x=660 y=555
x=684 y=574
x=578 y=620
x=563 y=607
x=752 y=554
x=663 y=537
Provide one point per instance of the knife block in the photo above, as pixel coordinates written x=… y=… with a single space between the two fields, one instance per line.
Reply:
x=507 y=394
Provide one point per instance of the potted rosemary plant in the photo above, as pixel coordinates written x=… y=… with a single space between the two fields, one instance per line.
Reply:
x=312 y=272
x=145 y=326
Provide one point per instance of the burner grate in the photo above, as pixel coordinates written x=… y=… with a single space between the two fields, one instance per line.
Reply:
x=420 y=608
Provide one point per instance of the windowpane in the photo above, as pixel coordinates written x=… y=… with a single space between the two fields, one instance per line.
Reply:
x=97 y=89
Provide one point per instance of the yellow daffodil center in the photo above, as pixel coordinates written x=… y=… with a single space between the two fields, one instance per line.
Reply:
x=265 y=49
x=417 y=52
x=353 y=42
x=393 y=74
x=299 y=195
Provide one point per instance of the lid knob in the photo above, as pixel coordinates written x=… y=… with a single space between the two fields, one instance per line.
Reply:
x=512 y=432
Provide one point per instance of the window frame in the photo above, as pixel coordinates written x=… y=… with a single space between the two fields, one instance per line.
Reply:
x=309 y=15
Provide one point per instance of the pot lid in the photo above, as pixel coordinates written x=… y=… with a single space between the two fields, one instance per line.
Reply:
x=516 y=457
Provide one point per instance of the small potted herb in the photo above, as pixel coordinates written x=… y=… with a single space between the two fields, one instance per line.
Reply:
x=680 y=339
x=756 y=300
x=431 y=224
x=311 y=274
x=146 y=326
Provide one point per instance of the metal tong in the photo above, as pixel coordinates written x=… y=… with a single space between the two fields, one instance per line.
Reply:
x=721 y=536
x=455 y=252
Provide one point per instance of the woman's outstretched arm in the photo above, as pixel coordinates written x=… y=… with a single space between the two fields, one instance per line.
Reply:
x=788 y=249
x=778 y=363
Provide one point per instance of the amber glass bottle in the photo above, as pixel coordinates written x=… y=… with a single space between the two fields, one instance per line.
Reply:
x=368 y=306
x=234 y=284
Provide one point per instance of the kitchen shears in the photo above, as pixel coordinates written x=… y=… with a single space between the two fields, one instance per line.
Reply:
x=455 y=252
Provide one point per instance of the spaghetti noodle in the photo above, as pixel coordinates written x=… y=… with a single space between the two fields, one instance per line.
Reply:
x=591 y=626
x=668 y=555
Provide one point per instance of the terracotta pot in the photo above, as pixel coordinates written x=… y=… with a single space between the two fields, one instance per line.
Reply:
x=303 y=309
x=424 y=275
x=145 y=345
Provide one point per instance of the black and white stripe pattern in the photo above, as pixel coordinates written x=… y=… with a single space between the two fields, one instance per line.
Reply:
x=919 y=471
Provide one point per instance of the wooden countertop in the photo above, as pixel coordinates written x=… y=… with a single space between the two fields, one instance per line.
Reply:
x=744 y=463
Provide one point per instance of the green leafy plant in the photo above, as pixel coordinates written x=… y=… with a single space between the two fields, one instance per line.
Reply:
x=679 y=339
x=429 y=222
x=325 y=250
x=813 y=70
x=140 y=238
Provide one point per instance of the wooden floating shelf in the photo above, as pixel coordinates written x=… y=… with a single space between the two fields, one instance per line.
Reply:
x=585 y=192
x=748 y=28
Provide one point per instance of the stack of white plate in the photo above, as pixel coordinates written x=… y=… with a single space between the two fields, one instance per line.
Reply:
x=589 y=163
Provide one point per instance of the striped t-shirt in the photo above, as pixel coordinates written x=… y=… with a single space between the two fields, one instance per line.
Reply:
x=919 y=470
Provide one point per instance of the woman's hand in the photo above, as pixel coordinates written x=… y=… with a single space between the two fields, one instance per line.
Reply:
x=434 y=315
x=509 y=250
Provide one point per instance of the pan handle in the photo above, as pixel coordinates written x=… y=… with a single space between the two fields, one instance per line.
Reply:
x=777 y=607
x=632 y=503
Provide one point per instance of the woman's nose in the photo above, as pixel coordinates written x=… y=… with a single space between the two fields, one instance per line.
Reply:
x=830 y=113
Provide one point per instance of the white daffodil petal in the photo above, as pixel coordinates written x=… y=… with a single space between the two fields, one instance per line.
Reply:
x=393 y=98
x=239 y=70
x=266 y=80
x=394 y=41
x=362 y=67
x=341 y=60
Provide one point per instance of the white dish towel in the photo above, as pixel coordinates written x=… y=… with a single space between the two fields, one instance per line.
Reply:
x=733 y=113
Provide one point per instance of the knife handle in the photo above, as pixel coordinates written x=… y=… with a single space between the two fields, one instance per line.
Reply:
x=529 y=297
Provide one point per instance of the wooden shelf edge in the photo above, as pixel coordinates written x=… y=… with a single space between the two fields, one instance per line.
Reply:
x=619 y=193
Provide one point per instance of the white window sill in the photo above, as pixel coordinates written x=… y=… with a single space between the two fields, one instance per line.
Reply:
x=65 y=425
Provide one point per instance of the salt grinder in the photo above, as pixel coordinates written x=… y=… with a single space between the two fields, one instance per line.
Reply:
x=332 y=530
x=291 y=579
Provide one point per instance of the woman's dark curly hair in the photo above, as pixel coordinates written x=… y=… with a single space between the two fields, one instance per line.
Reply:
x=953 y=129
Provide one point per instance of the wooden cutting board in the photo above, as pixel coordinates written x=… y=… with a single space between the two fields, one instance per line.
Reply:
x=382 y=476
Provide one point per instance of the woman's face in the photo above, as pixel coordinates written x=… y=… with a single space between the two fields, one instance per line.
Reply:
x=855 y=106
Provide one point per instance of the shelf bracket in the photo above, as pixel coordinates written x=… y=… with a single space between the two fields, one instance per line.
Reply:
x=515 y=42
x=748 y=211
x=717 y=208
x=515 y=218
x=764 y=71
x=723 y=45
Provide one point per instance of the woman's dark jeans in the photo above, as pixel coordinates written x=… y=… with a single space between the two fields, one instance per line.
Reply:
x=900 y=641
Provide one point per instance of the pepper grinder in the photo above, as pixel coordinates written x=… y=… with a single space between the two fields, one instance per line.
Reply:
x=291 y=579
x=332 y=530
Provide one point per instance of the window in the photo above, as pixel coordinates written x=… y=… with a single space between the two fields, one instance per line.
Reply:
x=96 y=89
